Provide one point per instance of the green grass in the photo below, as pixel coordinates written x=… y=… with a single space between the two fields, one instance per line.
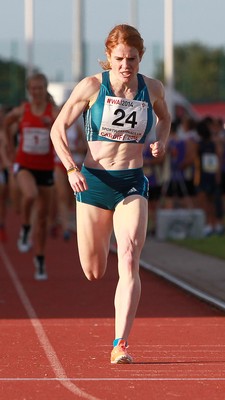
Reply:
x=213 y=245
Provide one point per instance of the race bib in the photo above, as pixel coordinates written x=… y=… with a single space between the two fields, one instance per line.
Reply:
x=123 y=120
x=210 y=163
x=36 y=141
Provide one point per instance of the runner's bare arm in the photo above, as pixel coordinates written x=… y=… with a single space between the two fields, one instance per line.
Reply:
x=79 y=99
x=163 y=118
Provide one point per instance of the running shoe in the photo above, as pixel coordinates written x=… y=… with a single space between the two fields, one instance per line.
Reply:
x=119 y=354
x=40 y=270
x=24 y=243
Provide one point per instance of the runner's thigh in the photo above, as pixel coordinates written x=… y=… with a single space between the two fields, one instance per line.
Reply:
x=130 y=222
x=94 y=228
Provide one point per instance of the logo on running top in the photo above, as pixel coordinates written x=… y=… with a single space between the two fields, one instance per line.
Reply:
x=121 y=102
x=132 y=190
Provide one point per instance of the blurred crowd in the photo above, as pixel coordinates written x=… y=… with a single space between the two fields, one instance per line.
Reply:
x=34 y=182
x=192 y=174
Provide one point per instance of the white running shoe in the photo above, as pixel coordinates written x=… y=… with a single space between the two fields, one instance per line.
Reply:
x=24 y=243
x=40 y=271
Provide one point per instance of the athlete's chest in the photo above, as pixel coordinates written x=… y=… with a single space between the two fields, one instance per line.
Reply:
x=123 y=119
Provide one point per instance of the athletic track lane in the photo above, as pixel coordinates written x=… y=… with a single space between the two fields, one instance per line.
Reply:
x=55 y=336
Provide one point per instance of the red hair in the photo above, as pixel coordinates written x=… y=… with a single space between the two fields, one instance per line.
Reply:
x=126 y=34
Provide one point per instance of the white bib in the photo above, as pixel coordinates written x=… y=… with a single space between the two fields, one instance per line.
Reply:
x=36 y=140
x=210 y=163
x=123 y=120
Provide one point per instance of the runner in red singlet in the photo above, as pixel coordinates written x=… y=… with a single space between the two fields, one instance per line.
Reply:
x=33 y=166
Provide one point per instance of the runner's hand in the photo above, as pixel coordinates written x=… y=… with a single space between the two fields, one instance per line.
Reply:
x=77 y=181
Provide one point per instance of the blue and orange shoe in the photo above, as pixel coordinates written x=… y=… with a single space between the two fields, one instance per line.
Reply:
x=119 y=354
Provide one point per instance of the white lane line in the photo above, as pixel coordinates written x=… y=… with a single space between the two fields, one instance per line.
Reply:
x=112 y=379
x=215 y=301
x=184 y=285
x=40 y=332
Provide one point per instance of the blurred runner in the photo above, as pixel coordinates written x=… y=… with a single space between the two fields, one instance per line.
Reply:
x=34 y=166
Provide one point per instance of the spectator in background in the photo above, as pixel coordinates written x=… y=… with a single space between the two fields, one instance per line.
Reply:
x=153 y=170
x=188 y=133
x=179 y=187
x=217 y=135
x=34 y=166
x=209 y=186
x=187 y=129
x=174 y=189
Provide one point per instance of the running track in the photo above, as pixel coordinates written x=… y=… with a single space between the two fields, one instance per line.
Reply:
x=55 y=336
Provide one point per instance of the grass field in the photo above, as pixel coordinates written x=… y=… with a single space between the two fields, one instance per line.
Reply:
x=213 y=245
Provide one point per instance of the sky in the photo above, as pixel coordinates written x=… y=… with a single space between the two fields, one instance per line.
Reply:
x=194 y=21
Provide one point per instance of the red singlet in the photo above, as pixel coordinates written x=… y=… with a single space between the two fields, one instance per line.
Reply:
x=35 y=149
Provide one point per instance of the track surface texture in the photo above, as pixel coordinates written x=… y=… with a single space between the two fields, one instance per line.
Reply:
x=56 y=335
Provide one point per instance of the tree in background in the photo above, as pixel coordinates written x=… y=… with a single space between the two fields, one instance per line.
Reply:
x=199 y=72
x=12 y=83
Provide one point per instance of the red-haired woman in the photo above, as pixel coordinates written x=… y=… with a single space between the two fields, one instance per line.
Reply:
x=111 y=189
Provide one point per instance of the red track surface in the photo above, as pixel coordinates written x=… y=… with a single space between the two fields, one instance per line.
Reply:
x=55 y=336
